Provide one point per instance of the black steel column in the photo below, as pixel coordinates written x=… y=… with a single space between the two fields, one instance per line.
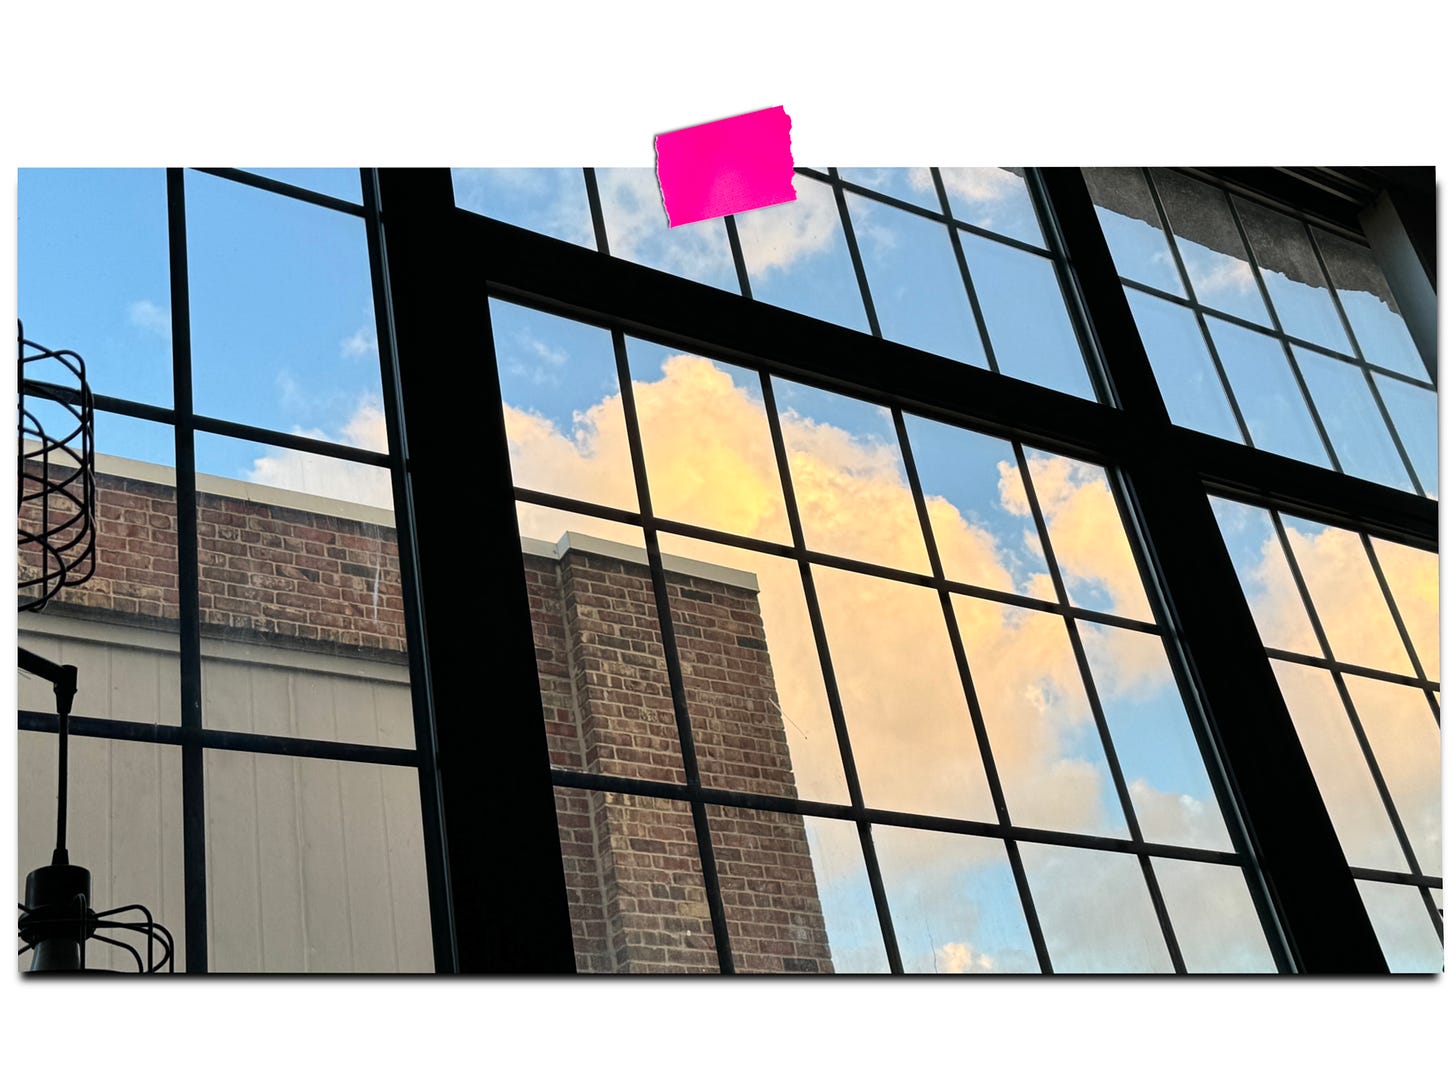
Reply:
x=1315 y=897
x=507 y=886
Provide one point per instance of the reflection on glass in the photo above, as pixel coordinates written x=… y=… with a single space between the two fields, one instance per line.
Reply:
x=314 y=866
x=1403 y=925
x=1268 y=395
x=282 y=313
x=124 y=822
x=1186 y=376
x=563 y=407
x=1339 y=768
x=911 y=184
x=776 y=893
x=300 y=595
x=1213 y=918
x=637 y=230
x=849 y=481
x=1160 y=760
x=1026 y=316
x=982 y=523
x=1406 y=740
x=599 y=658
x=919 y=295
x=1095 y=911
x=706 y=441
x=1131 y=226
x=755 y=689
x=855 y=941
x=1346 y=596
x=954 y=903
x=1087 y=536
x=1413 y=411
x=994 y=198
x=1413 y=576
x=549 y=200
x=797 y=258
x=93 y=275
x=914 y=746
x=1370 y=306
x=1292 y=275
x=341 y=182
x=1048 y=754
x=1209 y=244
x=1264 y=575
x=634 y=885
x=1352 y=420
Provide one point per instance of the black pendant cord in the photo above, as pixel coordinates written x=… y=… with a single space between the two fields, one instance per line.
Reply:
x=63 y=681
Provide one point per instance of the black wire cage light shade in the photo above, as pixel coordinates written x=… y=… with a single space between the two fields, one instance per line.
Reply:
x=56 y=516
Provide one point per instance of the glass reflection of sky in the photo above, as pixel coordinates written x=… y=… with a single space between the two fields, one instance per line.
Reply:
x=1352 y=420
x=1138 y=244
x=1180 y=359
x=549 y=201
x=1267 y=393
x=1209 y=244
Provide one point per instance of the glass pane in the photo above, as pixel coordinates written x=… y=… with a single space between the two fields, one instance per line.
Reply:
x=314 y=866
x=771 y=886
x=1131 y=226
x=1352 y=420
x=551 y=201
x=634 y=885
x=994 y=198
x=849 y=482
x=94 y=278
x=637 y=230
x=1413 y=411
x=1265 y=577
x=1087 y=536
x=1406 y=740
x=1346 y=596
x=1209 y=244
x=1186 y=376
x=1370 y=306
x=599 y=658
x=119 y=629
x=912 y=184
x=563 y=407
x=1403 y=926
x=855 y=942
x=1048 y=753
x=282 y=313
x=341 y=182
x=797 y=258
x=301 y=601
x=1161 y=763
x=954 y=903
x=705 y=438
x=915 y=282
x=1292 y=275
x=124 y=824
x=1095 y=911
x=761 y=720
x=1213 y=918
x=1413 y=576
x=913 y=742
x=1339 y=768
x=1026 y=316
x=1268 y=395
x=978 y=511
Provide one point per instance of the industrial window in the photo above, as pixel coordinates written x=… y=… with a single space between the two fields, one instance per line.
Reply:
x=855 y=599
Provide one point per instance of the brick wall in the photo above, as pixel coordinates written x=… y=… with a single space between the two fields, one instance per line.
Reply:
x=284 y=575
x=637 y=900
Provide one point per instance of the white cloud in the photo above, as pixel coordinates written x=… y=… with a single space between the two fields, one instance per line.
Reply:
x=317 y=475
x=961 y=958
x=362 y=342
x=146 y=315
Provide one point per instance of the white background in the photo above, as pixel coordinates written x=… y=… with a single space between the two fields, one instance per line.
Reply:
x=909 y=82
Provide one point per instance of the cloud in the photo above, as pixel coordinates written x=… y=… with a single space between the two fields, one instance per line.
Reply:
x=146 y=315
x=961 y=958
x=319 y=475
x=1213 y=274
x=362 y=342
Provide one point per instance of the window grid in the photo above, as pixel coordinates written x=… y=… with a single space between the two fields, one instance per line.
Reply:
x=1287 y=341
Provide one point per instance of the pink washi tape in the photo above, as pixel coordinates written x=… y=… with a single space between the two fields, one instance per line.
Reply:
x=728 y=166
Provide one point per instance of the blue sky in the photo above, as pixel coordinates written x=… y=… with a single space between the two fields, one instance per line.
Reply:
x=282 y=337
